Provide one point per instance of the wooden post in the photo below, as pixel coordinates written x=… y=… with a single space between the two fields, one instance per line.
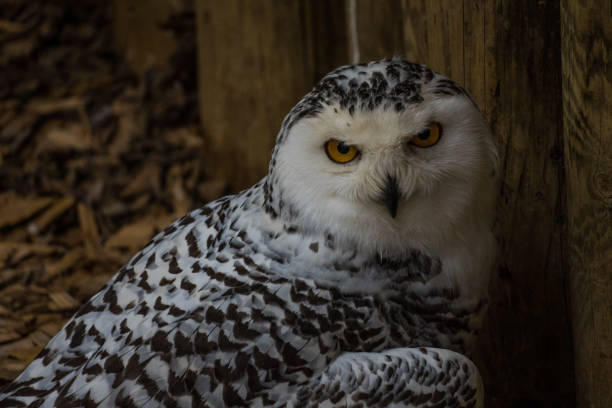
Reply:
x=254 y=66
x=586 y=28
x=374 y=29
x=529 y=317
x=327 y=34
x=434 y=35
x=139 y=33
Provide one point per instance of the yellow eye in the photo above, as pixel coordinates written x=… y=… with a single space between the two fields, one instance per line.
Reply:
x=428 y=137
x=340 y=152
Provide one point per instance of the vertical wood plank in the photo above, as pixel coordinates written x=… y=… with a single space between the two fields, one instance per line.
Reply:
x=433 y=33
x=506 y=54
x=253 y=67
x=378 y=29
x=586 y=28
x=327 y=34
x=138 y=32
x=529 y=315
x=475 y=43
x=414 y=25
x=445 y=36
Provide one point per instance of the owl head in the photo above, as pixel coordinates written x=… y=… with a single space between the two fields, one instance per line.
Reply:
x=386 y=156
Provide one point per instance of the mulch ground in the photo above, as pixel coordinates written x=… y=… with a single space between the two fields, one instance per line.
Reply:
x=94 y=161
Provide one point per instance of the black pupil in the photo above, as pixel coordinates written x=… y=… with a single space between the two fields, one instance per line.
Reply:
x=342 y=148
x=424 y=135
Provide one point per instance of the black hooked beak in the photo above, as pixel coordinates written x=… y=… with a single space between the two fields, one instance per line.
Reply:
x=391 y=195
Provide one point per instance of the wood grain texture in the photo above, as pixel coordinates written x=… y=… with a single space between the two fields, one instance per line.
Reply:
x=507 y=54
x=378 y=29
x=327 y=35
x=528 y=317
x=586 y=28
x=139 y=32
x=253 y=67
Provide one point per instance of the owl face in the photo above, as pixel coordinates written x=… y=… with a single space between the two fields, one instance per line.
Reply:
x=412 y=170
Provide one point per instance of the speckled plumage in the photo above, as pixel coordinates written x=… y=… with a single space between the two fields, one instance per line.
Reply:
x=245 y=302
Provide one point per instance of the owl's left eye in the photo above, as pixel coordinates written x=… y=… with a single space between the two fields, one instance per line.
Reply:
x=428 y=137
x=340 y=152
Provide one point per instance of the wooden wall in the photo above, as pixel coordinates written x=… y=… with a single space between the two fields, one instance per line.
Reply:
x=586 y=34
x=138 y=31
x=540 y=72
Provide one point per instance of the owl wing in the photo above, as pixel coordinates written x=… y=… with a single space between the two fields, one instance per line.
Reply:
x=404 y=377
x=212 y=338
x=225 y=353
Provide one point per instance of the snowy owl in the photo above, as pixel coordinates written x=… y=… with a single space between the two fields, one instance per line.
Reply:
x=353 y=274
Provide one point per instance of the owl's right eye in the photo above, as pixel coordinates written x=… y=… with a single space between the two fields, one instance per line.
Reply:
x=340 y=152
